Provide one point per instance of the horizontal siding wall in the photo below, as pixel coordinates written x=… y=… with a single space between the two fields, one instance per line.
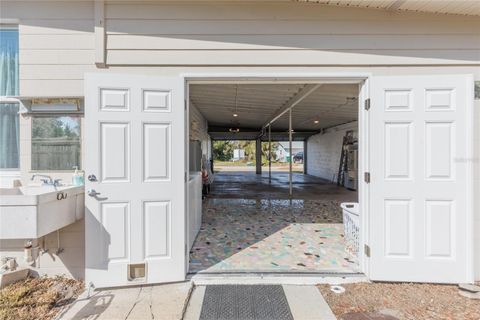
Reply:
x=56 y=43
x=283 y=33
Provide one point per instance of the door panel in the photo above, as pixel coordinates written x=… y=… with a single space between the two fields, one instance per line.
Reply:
x=135 y=147
x=420 y=129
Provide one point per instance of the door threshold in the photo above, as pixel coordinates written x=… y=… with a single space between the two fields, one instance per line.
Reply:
x=293 y=278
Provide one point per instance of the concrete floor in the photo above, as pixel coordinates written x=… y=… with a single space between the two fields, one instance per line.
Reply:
x=251 y=225
x=248 y=185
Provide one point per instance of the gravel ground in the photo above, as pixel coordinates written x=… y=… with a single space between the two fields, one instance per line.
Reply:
x=409 y=301
x=37 y=298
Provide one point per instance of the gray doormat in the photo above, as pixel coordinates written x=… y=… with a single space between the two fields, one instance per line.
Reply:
x=245 y=302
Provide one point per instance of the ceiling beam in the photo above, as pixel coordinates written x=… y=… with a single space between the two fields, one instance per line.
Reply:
x=307 y=90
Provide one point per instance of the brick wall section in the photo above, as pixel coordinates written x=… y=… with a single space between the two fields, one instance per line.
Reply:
x=324 y=150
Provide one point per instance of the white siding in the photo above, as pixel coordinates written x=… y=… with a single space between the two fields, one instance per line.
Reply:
x=56 y=45
x=284 y=33
x=324 y=151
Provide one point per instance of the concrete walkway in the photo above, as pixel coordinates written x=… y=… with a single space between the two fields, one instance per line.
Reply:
x=165 y=302
x=169 y=302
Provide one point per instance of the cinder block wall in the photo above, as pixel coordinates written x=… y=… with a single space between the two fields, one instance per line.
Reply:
x=324 y=151
x=199 y=129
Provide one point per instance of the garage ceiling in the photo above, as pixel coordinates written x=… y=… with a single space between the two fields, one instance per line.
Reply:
x=256 y=104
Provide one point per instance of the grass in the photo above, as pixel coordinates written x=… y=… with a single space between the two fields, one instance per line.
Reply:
x=37 y=298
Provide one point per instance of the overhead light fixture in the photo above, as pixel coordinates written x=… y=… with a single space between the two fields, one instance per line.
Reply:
x=316 y=121
x=235 y=114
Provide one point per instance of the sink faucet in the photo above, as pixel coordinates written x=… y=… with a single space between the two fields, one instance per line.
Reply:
x=48 y=180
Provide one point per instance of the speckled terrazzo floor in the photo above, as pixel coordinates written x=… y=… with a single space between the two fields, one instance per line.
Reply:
x=239 y=235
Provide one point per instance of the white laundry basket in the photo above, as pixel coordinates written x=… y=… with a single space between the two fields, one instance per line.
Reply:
x=351 y=224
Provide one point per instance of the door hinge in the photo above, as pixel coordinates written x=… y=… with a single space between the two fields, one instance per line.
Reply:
x=367 y=104
x=367 y=177
x=367 y=250
x=185 y=177
x=185 y=104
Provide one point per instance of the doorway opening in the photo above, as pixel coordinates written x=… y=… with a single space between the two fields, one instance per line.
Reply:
x=276 y=162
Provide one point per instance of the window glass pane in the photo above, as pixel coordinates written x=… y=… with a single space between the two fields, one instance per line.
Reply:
x=55 y=143
x=9 y=136
x=9 y=119
x=8 y=62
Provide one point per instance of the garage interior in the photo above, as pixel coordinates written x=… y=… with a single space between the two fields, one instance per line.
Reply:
x=275 y=221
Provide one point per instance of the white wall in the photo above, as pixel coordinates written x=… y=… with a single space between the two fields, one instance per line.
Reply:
x=324 y=151
x=476 y=191
x=283 y=33
x=70 y=262
x=199 y=129
x=56 y=43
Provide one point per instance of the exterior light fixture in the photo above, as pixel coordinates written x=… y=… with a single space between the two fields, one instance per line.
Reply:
x=316 y=121
x=235 y=114
x=234 y=130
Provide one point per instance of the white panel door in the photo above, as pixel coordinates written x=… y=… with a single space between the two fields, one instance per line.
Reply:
x=135 y=157
x=420 y=156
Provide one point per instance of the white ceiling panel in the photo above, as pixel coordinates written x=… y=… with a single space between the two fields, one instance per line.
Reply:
x=327 y=106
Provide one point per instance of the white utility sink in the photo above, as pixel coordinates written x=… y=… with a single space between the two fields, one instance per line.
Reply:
x=31 y=212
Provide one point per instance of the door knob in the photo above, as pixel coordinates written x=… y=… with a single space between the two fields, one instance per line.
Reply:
x=92 y=178
x=93 y=193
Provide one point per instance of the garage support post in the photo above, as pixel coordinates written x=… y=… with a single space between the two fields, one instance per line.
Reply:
x=258 y=156
x=290 y=151
x=270 y=154
x=305 y=151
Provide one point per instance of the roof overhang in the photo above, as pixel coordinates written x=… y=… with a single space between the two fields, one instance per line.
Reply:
x=456 y=7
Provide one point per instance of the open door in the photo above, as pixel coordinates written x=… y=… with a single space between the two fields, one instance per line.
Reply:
x=135 y=171
x=421 y=185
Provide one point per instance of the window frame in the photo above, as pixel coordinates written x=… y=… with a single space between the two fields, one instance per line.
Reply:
x=11 y=173
x=79 y=116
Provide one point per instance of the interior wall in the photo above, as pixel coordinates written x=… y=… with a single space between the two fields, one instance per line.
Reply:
x=324 y=151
